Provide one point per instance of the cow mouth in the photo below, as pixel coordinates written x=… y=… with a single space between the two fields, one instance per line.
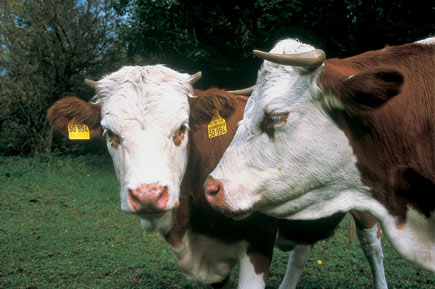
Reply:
x=236 y=215
x=149 y=213
x=149 y=205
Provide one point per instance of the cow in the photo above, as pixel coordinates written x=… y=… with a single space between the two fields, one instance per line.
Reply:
x=321 y=136
x=158 y=135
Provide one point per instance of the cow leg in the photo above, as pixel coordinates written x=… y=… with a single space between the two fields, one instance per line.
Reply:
x=253 y=270
x=367 y=232
x=296 y=263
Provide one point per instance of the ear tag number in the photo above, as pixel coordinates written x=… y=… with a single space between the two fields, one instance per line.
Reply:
x=78 y=131
x=217 y=126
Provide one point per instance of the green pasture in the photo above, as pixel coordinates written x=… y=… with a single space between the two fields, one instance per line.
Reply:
x=61 y=227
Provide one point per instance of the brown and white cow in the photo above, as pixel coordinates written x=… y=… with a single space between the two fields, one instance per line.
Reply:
x=325 y=136
x=157 y=134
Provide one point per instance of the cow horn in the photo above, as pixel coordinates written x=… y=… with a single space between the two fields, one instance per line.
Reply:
x=245 y=91
x=311 y=59
x=195 y=77
x=91 y=83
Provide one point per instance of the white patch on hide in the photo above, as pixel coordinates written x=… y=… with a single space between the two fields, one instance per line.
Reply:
x=207 y=260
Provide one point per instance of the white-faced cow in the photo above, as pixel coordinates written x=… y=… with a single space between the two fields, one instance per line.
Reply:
x=325 y=136
x=158 y=135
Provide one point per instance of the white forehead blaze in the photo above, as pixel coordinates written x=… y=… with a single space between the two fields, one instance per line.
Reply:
x=143 y=108
x=279 y=88
x=144 y=96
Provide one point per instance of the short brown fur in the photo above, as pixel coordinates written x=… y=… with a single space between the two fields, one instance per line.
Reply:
x=76 y=111
x=390 y=122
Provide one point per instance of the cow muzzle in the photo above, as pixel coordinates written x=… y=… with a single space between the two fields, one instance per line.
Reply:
x=214 y=192
x=149 y=198
x=215 y=195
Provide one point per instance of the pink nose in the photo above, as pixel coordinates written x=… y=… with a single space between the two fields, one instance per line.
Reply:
x=214 y=192
x=148 y=198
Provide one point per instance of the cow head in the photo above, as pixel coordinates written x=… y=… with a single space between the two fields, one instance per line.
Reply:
x=143 y=113
x=289 y=159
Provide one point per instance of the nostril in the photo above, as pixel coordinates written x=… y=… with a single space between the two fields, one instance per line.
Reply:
x=214 y=192
x=134 y=200
x=148 y=197
x=132 y=194
x=163 y=190
x=212 y=189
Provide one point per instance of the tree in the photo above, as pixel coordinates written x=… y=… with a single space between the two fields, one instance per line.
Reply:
x=46 y=48
x=217 y=37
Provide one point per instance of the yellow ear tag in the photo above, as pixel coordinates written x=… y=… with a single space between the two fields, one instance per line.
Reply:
x=78 y=131
x=217 y=126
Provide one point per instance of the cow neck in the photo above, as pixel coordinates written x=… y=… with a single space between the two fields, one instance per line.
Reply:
x=391 y=143
x=203 y=155
x=195 y=213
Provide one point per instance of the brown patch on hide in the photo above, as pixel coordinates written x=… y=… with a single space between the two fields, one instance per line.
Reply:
x=363 y=220
x=261 y=264
x=76 y=111
x=206 y=102
x=389 y=119
x=195 y=213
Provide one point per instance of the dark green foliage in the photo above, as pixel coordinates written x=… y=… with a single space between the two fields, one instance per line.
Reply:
x=62 y=227
x=47 y=48
x=217 y=37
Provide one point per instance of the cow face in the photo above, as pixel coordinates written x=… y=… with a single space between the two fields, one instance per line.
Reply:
x=288 y=158
x=143 y=113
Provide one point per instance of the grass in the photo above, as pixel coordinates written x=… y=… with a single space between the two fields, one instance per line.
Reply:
x=61 y=227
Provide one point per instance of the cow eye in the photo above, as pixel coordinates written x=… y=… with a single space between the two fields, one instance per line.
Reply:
x=277 y=118
x=184 y=127
x=113 y=138
x=273 y=119
x=179 y=135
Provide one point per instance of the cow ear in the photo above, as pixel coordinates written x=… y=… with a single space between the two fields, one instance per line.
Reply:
x=371 y=89
x=205 y=103
x=72 y=109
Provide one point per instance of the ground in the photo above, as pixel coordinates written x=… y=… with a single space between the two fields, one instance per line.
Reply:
x=61 y=226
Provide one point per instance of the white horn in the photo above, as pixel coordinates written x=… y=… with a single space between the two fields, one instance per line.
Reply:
x=91 y=83
x=244 y=91
x=311 y=59
x=195 y=77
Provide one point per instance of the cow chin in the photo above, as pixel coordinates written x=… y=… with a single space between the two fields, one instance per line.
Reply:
x=239 y=215
x=158 y=222
x=236 y=214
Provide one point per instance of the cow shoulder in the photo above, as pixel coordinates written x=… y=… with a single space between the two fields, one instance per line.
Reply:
x=74 y=110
